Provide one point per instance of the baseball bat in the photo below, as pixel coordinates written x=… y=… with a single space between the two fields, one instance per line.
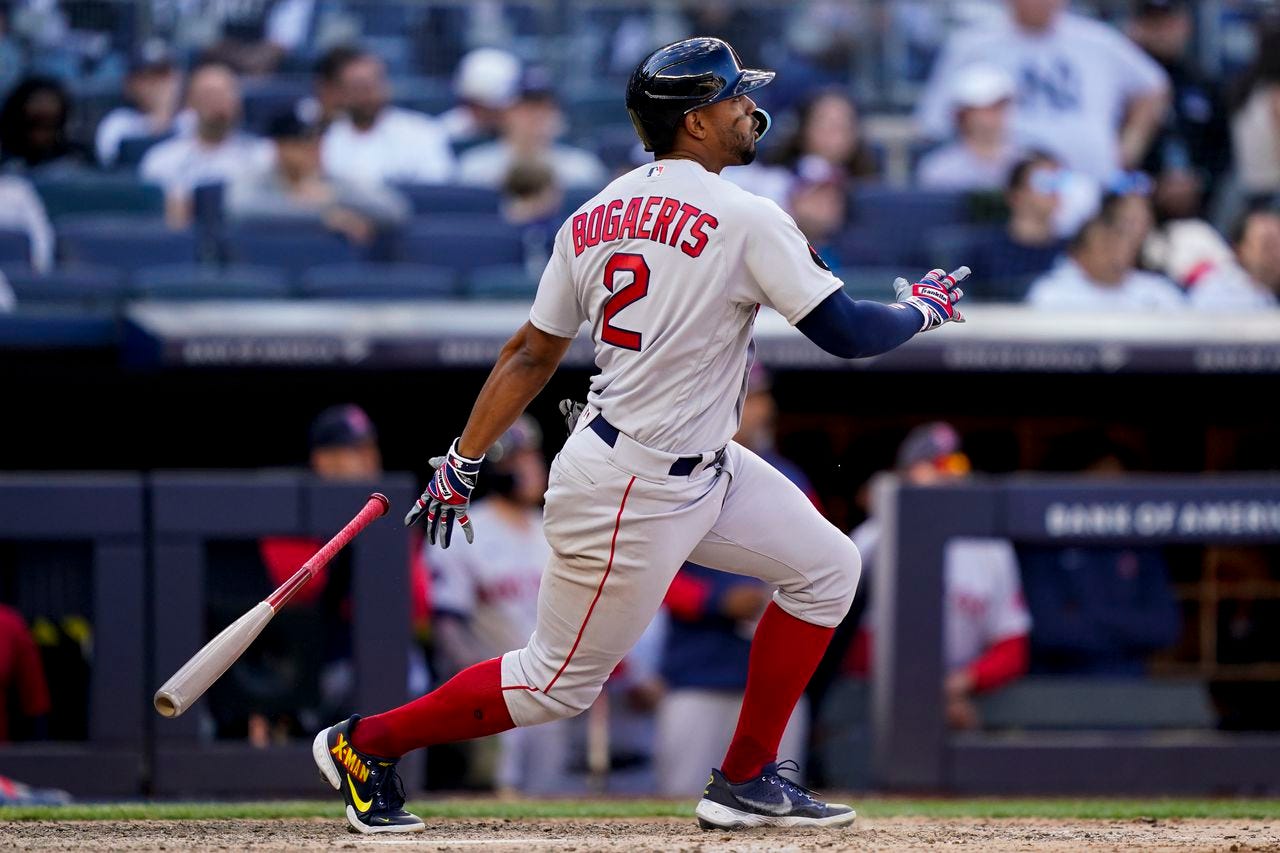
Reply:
x=207 y=665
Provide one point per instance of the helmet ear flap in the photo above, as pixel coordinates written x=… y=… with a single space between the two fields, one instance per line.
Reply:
x=638 y=124
x=763 y=122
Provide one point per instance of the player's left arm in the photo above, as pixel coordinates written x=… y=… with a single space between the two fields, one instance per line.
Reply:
x=1143 y=117
x=1146 y=90
x=857 y=329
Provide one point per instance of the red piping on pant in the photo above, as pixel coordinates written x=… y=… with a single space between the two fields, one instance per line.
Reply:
x=608 y=567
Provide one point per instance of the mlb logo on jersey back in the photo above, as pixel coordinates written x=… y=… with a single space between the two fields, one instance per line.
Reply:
x=655 y=170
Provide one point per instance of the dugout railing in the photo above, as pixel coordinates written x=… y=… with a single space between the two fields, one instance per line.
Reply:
x=911 y=748
x=192 y=510
x=106 y=511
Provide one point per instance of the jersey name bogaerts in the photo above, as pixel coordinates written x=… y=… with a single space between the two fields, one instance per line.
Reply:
x=669 y=265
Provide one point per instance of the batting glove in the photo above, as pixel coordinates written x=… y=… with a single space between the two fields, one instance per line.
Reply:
x=935 y=295
x=571 y=410
x=447 y=497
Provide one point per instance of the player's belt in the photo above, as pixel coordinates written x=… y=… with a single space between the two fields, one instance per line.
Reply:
x=682 y=467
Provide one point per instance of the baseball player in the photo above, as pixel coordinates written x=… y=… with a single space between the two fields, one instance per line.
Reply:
x=668 y=265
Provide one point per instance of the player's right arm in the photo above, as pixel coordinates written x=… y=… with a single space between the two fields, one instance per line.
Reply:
x=523 y=368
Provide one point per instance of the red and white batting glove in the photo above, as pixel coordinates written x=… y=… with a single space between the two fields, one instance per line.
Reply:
x=935 y=296
x=447 y=496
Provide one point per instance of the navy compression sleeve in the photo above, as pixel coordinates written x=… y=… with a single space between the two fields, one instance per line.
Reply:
x=850 y=329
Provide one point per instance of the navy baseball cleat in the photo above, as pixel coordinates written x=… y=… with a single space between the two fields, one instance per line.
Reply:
x=370 y=785
x=767 y=800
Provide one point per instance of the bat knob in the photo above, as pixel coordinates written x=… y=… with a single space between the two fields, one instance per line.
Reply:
x=166 y=704
x=382 y=499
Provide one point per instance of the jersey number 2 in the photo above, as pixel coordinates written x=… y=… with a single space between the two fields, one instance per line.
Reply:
x=635 y=291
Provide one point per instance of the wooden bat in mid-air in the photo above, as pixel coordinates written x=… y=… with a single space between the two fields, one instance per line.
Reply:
x=207 y=665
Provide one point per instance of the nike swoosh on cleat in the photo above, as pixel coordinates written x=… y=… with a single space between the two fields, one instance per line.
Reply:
x=362 y=805
x=769 y=808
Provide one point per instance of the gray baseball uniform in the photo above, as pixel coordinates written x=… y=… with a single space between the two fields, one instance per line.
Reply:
x=669 y=266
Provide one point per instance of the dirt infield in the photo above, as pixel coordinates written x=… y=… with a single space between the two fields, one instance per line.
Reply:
x=648 y=836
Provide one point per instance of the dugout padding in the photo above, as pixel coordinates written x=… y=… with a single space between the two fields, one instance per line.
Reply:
x=108 y=512
x=911 y=748
x=192 y=509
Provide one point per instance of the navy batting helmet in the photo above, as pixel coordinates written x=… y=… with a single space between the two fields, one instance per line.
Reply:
x=675 y=80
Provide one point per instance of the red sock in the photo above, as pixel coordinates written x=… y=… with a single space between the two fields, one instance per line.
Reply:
x=784 y=654
x=469 y=705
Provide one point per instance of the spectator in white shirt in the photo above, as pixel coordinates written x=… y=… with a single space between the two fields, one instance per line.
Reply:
x=375 y=142
x=295 y=187
x=214 y=152
x=324 y=104
x=983 y=155
x=530 y=128
x=153 y=90
x=22 y=210
x=486 y=85
x=1099 y=274
x=1084 y=91
x=1253 y=281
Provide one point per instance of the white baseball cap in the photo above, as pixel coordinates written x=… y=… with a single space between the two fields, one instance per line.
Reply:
x=488 y=76
x=981 y=86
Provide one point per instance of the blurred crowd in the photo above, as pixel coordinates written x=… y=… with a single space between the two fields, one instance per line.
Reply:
x=1126 y=161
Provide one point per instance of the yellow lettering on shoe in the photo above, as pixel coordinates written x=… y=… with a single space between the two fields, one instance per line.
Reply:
x=338 y=747
x=364 y=774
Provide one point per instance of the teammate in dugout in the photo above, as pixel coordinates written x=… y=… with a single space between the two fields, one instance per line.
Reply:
x=669 y=265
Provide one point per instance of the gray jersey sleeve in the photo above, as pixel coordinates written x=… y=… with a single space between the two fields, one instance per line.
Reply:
x=556 y=309
x=784 y=272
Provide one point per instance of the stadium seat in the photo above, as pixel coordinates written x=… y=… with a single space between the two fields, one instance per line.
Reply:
x=434 y=200
x=947 y=245
x=292 y=247
x=15 y=246
x=126 y=243
x=206 y=281
x=462 y=242
x=874 y=283
x=1099 y=703
x=428 y=95
x=86 y=286
x=133 y=149
x=599 y=107
x=267 y=97
x=85 y=193
x=886 y=209
x=892 y=226
x=378 y=281
x=508 y=281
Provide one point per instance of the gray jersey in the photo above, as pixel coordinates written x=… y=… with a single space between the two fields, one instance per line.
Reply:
x=669 y=265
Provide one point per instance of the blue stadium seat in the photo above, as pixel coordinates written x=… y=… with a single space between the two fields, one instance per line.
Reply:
x=15 y=246
x=891 y=226
x=290 y=246
x=434 y=200
x=507 y=281
x=134 y=148
x=907 y=211
x=596 y=108
x=874 y=283
x=91 y=192
x=75 y=284
x=206 y=281
x=266 y=97
x=378 y=281
x=462 y=242
x=126 y=243
x=430 y=95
